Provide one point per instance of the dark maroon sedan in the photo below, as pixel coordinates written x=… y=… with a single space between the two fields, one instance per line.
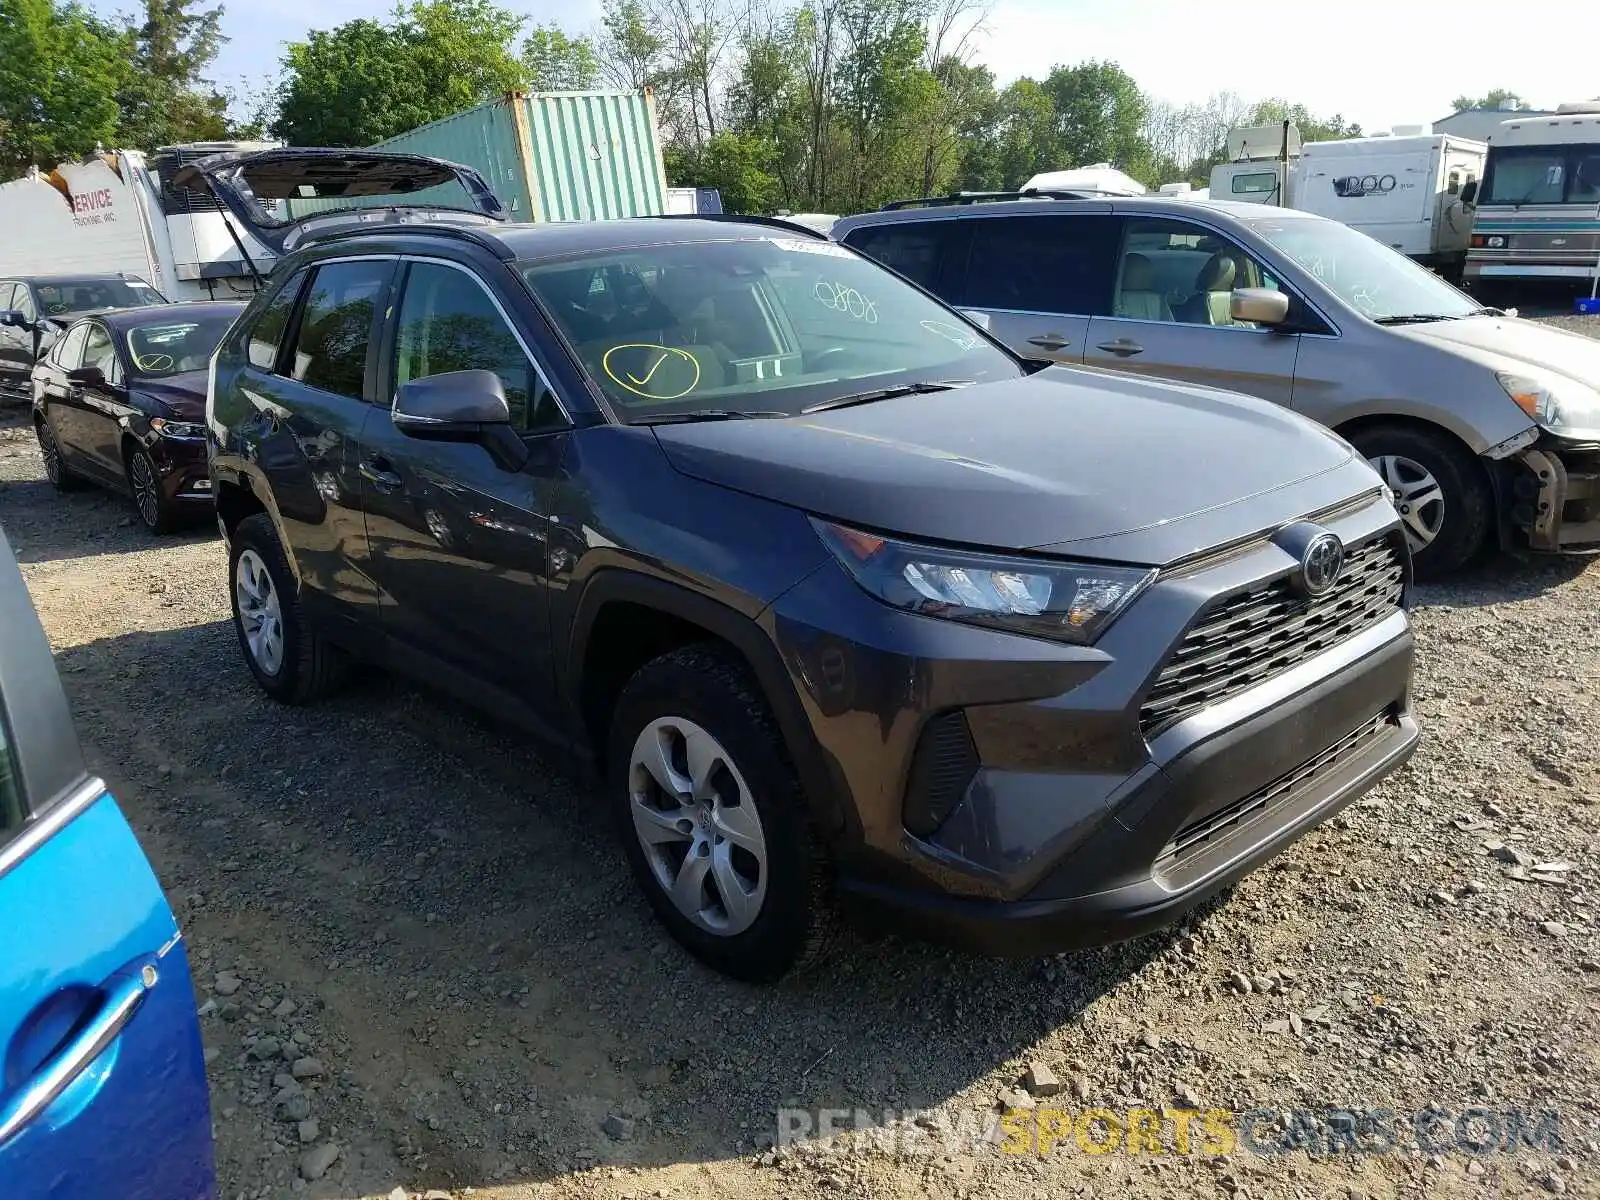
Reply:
x=120 y=400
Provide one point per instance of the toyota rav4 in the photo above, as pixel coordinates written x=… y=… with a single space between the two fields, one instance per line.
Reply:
x=841 y=599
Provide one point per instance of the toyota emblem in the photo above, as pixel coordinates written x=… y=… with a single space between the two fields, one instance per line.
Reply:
x=1320 y=564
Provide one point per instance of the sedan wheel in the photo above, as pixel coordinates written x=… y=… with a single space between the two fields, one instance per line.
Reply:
x=1417 y=496
x=147 y=491
x=260 y=612
x=55 y=469
x=696 y=821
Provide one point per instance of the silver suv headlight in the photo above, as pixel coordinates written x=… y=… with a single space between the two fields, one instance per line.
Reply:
x=1048 y=598
x=1561 y=405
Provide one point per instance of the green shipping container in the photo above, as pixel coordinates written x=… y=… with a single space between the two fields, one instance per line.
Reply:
x=556 y=156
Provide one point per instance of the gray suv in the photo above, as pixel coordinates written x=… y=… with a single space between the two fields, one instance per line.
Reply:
x=1486 y=427
x=836 y=596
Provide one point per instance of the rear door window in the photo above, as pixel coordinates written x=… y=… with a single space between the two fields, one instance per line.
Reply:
x=916 y=249
x=330 y=349
x=1045 y=264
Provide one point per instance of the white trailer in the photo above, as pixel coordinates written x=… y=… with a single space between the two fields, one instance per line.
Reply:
x=1403 y=191
x=114 y=214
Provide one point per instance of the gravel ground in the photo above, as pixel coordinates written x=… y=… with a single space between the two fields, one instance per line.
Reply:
x=424 y=971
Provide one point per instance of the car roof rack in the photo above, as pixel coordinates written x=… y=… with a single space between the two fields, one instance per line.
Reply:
x=482 y=236
x=989 y=198
x=737 y=218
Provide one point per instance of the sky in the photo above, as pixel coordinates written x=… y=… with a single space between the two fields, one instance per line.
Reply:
x=1378 y=62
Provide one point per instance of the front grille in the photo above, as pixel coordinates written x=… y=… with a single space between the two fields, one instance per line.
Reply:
x=1213 y=827
x=1252 y=636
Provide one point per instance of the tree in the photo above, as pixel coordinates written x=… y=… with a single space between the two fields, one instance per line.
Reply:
x=630 y=53
x=555 y=62
x=364 y=81
x=164 y=98
x=1100 y=116
x=737 y=165
x=60 y=69
x=1495 y=98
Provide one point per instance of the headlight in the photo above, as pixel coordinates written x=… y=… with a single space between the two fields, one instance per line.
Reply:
x=1064 y=601
x=1563 y=406
x=178 y=431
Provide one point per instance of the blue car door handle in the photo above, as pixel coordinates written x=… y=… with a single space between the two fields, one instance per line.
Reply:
x=125 y=992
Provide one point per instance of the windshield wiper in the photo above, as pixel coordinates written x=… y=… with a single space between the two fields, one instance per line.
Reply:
x=1487 y=312
x=888 y=393
x=1416 y=318
x=704 y=414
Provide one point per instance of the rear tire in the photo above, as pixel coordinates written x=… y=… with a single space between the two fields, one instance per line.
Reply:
x=1441 y=492
x=734 y=823
x=55 y=468
x=291 y=661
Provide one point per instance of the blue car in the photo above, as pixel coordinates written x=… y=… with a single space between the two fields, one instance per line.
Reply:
x=102 y=1076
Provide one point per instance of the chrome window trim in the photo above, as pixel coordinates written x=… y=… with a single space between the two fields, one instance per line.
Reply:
x=35 y=833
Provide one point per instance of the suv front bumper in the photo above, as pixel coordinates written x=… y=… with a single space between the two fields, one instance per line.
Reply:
x=1070 y=817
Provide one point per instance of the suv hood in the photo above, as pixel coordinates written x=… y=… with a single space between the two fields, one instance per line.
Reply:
x=1074 y=460
x=1507 y=343
x=343 y=183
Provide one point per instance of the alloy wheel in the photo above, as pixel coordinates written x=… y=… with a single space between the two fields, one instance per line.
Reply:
x=260 y=613
x=50 y=452
x=1417 y=495
x=146 y=491
x=697 y=823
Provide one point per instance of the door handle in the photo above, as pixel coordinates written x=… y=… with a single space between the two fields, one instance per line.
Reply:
x=1048 y=341
x=1121 y=347
x=381 y=475
x=125 y=992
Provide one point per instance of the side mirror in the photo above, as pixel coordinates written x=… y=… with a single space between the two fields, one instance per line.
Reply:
x=461 y=406
x=87 y=376
x=13 y=318
x=1261 y=306
x=980 y=319
x=1469 y=193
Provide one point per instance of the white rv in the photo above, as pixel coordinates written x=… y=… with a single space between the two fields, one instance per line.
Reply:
x=114 y=213
x=1537 y=212
x=1404 y=188
x=1100 y=179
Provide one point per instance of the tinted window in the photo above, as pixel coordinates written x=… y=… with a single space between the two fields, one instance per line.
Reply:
x=172 y=347
x=915 y=250
x=266 y=335
x=1257 y=183
x=69 y=351
x=7 y=290
x=1046 y=264
x=449 y=323
x=24 y=302
x=330 y=351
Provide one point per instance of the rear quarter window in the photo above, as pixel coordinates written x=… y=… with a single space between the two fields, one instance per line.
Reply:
x=916 y=250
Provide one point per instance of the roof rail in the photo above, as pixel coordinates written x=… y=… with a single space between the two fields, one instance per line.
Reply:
x=737 y=219
x=988 y=198
x=472 y=233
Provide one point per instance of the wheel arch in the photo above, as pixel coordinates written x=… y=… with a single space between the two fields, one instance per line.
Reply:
x=624 y=620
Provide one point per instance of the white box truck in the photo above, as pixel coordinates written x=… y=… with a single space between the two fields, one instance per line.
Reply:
x=114 y=213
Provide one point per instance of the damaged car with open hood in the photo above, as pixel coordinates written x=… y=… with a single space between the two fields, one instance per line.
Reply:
x=843 y=605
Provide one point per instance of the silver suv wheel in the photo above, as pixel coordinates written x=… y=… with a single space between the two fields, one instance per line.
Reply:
x=260 y=613
x=697 y=824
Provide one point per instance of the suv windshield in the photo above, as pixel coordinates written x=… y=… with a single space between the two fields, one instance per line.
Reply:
x=60 y=296
x=172 y=347
x=777 y=324
x=1381 y=283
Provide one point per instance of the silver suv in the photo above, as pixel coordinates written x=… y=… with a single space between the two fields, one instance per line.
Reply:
x=1486 y=427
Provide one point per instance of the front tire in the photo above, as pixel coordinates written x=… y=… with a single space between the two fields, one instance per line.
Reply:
x=712 y=817
x=156 y=513
x=1440 y=491
x=291 y=661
